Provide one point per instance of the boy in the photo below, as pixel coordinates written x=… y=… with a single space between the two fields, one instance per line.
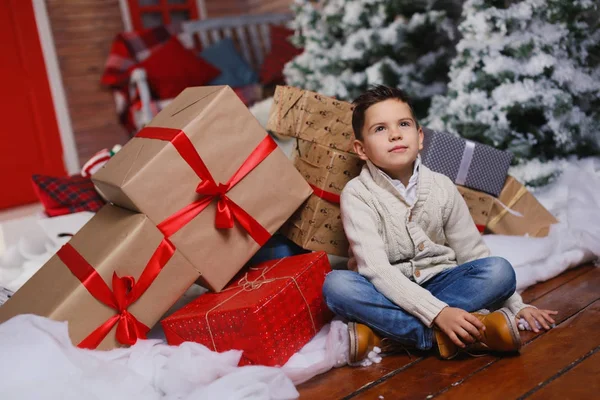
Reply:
x=423 y=269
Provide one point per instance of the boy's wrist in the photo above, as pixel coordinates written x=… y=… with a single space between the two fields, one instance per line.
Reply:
x=524 y=307
x=435 y=319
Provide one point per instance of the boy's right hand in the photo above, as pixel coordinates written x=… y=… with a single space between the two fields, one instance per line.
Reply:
x=460 y=326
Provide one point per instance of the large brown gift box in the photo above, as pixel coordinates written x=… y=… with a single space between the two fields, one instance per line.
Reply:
x=480 y=205
x=199 y=143
x=311 y=116
x=317 y=225
x=114 y=241
x=535 y=219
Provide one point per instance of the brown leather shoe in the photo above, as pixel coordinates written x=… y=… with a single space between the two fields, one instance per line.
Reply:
x=501 y=334
x=446 y=347
x=362 y=341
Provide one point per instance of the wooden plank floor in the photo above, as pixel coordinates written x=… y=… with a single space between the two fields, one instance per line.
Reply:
x=563 y=363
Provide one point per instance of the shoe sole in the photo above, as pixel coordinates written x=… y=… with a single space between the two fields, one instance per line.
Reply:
x=514 y=330
x=447 y=347
x=353 y=342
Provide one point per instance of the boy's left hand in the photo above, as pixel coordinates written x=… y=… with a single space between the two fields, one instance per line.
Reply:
x=531 y=315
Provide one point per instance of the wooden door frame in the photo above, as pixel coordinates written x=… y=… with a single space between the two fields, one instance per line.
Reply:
x=126 y=13
x=59 y=100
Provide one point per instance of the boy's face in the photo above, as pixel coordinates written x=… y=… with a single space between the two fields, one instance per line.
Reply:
x=391 y=139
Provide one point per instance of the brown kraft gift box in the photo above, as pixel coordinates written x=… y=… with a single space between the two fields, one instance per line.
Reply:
x=312 y=116
x=317 y=225
x=536 y=220
x=151 y=176
x=480 y=205
x=117 y=241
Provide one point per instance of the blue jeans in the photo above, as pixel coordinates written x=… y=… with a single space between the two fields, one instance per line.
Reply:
x=484 y=283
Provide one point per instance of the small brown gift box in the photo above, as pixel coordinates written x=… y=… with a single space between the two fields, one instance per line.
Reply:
x=312 y=116
x=205 y=146
x=317 y=225
x=535 y=220
x=480 y=205
x=114 y=241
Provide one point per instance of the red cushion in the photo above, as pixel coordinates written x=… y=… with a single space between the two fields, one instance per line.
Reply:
x=172 y=68
x=282 y=51
x=67 y=195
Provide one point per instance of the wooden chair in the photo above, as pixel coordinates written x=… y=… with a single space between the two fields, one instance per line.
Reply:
x=250 y=33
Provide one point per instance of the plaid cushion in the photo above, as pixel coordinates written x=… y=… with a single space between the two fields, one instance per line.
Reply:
x=66 y=195
x=128 y=50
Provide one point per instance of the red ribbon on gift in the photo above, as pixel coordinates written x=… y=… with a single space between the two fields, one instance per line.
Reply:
x=227 y=209
x=325 y=195
x=125 y=292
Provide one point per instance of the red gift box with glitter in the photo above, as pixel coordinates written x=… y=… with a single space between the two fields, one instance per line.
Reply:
x=270 y=312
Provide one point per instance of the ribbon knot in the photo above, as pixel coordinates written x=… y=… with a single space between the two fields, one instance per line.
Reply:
x=222 y=189
x=125 y=291
x=224 y=217
x=227 y=210
x=122 y=286
x=249 y=286
x=208 y=187
x=129 y=329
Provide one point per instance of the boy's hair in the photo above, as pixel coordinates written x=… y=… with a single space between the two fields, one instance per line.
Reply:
x=374 y=95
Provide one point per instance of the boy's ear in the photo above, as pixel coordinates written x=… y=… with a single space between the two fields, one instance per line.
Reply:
x=359 y=148
x=421 y=137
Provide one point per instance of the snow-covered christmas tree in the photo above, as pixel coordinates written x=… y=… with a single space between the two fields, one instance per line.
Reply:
x=526 y=78
x=351 y=44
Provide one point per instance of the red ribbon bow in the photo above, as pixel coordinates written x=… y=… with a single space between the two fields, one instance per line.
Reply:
x=227 y=209
x=125 y=292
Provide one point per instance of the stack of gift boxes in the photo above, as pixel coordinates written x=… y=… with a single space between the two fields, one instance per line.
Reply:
x=192 y=198
x=324 y=155
x=196 y=194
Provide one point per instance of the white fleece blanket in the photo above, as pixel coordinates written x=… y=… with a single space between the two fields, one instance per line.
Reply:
x=39 y=362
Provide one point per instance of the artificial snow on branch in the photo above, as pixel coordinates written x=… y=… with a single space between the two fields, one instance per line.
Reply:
x=352 y=44
x=526 y=78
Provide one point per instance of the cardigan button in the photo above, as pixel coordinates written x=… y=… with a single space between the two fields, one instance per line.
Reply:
x=417 y=273
x=421 y=247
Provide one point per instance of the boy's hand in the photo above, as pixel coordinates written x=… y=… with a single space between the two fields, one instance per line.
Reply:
x=531 y=315
x=460 y=326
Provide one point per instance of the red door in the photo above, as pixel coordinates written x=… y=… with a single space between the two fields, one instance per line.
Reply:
x=29 y=136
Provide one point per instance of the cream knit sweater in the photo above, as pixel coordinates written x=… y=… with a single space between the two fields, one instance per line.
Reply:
x=398 y=247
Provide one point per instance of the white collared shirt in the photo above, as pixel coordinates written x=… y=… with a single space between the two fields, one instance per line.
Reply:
x=408 y=192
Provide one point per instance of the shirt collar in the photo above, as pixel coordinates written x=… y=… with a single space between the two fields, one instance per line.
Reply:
x=376 y=171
